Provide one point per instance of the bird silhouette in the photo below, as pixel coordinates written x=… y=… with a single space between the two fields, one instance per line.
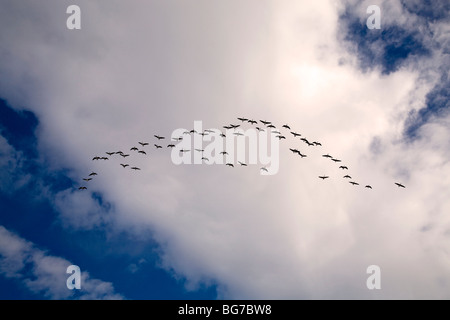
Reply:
x=286 y=126
x=368 y=187
x=243 y=119
x=336 y=160
x=323 y=177
x=327 y=156
x=170 y=145
x=271 y=126
x=354 y=183
x=158 y=146
x=295 y=134
x=302 y=155
x=134 y=149
x=400 y=185
x=264 y=169
x=143 y=143
x=265 y=122
x=110 y=153
x=224 y=152
x=124 y=165
x=317 y=143
x=343 y=168
x=135 y=168
x=230 y=165
x=252 y=121
x=82 y=188
x=280 y=137
x=242 y=164
x=347 y=176
x=124 y=155
x=159 y=137
x=93 y=174
x=88 y=179
x=142 y=151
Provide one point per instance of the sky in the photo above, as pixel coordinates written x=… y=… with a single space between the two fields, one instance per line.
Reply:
x=377 y=99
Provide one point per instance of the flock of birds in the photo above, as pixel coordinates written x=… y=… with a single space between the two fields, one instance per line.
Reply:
x=268 y=125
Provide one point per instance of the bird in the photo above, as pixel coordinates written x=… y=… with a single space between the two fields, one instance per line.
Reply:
x=347 y=176
x=158 y=146
x=142 y=151
x=323 y=177
x=110 y=153
x=124 y=155
x=317 y=143
x=96 y=158
x=134 y=149
x=82 y=188
x=104 y=158
x=243 y=119
x=235 y=126
x=343 y=168
x=230 y=165
x=294 y=150
x=259 y=129
x=252 y=121
x=203 y=134
x=93 y=174
x=223 y=135
x=124 y=165
x=286 y=126
x=227 y=127
x=223 y=152
x=302 y=155
x=242 y=164
x=280 y=137
x=184 y=150
x=200 y=150
x=295 y=134
x=265 y=122
x=135 y=168
x=264 y=169
x=193 y=131
x=368 y=187
x=327 y=156
x=354 y=183
x=159 y=137
x=170 y=146
x=204 y=158
x=336 y=160
x=89 y=179
x=143 y=143
x=400 y=185
x=271 y=126
x=179 y=138
x=305 y=141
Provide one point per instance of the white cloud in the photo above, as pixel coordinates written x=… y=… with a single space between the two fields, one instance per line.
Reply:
x=47 y=274
x=135 y=70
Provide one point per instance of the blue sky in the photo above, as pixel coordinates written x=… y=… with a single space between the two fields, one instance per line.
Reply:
x=185 y=232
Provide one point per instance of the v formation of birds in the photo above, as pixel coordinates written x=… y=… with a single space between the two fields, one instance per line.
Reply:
x=268 y=125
